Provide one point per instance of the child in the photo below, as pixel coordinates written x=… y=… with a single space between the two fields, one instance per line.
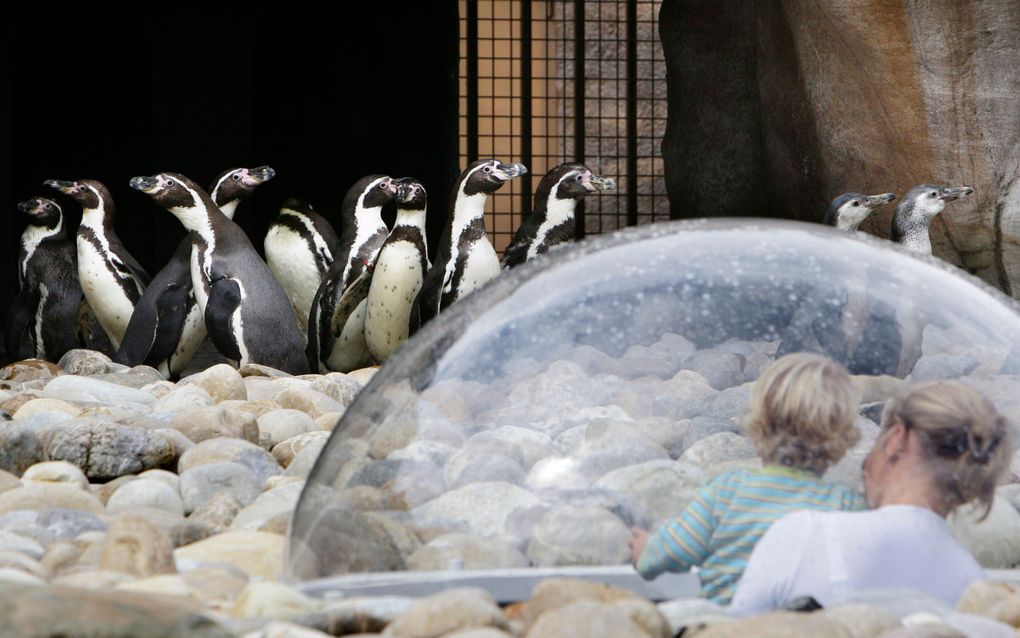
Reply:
x=802 y=421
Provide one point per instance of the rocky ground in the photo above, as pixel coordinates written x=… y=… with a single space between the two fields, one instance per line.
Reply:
x=133 y=506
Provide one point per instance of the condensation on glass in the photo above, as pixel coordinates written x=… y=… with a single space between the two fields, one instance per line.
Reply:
x=597 y=388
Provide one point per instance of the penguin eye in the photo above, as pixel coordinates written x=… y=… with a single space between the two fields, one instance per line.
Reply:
x=382 y=185
x=49 y=206
x=932 y=194
x=856 y=203
x=488 y=169
x=236 y=176
x=579 y=178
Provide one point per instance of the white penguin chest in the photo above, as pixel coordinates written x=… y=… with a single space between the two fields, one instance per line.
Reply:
x=395 y=282
x=480 y=265
x=103 y=290
x=296 y=267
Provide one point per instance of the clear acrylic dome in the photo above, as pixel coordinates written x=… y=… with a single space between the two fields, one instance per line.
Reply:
x=598 y=387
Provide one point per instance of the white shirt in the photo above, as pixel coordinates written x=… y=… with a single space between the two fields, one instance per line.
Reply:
x=828 y=554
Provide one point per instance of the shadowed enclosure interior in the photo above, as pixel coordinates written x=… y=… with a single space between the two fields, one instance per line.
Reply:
x=548 y=81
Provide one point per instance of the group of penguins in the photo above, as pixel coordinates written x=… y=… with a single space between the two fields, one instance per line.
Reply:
x=317 y=303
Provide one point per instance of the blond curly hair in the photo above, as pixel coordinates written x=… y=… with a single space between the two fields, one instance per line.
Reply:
x=802 y=413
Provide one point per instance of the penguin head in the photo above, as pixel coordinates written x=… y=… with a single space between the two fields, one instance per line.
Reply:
x=850 y=209
x=238 y=183
x=297 y=205
x=411 y=194
x=88 y=193
x=924 y=201
x=43 y=211
x=486 y=176
x=576 y=180
x=378 y=190
x=170 y=190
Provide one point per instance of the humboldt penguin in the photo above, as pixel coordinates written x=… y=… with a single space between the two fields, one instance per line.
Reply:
x=848 y=210
x=299 y=250
x=398 y=274
x=49 y=297
x=336 y=334
x=466 y=259
x=112 y=280
x=246 y=312
x=915 y=213
x=166 y=327
x=552 y=221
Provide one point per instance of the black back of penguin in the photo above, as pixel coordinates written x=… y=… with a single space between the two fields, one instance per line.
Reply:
x=49 y=298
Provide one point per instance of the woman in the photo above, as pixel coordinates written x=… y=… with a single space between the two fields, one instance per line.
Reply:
x=942 y=445
x=802 y=421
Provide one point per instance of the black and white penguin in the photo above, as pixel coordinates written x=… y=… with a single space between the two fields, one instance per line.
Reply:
x=915 y=213
x=552 y=221
x=847 y=211
x=466 y=259
x=398 y=274
x=112 y=280
x=299 y=250
x=49 y=297
x=336 y=333
x=246 y=312
x=166 y=327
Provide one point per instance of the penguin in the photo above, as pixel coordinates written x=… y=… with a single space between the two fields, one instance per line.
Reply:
x=847 y=211
x=166 y=327
x=49 y=297
x=914 y=214
x=398 y=273
x=552 y=221
x=112 y=280
x=299 y=250
x=336 y=336
x=246 y=312
x=466 y=259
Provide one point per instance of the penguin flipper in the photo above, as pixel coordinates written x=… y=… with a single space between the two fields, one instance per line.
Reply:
x=224 y=299
x=171 y=311
x=348 y=302
x=90 y=333
x=318 y=319
x=139 y=335
x=426 y=303
x=18 y=318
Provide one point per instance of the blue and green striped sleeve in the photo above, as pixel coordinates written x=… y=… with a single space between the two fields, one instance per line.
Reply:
x=682 y=542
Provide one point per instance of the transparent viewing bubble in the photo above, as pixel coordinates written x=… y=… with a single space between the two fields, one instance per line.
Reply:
x=597 y=388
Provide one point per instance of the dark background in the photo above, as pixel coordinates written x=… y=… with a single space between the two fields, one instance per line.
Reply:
x=323 y=94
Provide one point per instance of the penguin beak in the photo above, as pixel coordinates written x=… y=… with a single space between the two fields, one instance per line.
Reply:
x=63 y=186
x=874 y=201
x=145 y=184
x=602 y=183
x=506 y=172
x=258 y=175
x=403 y=193
x=29 y=206
x=949 y=194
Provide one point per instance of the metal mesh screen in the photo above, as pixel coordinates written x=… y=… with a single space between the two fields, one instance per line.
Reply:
x=522 y=99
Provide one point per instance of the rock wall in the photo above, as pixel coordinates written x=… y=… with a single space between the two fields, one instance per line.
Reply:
x=777 y=106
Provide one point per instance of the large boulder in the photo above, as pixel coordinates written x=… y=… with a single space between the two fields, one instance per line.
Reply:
x=108 y=450
x=81 y=613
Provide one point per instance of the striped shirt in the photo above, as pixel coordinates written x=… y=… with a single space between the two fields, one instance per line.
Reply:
x=728 y=515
